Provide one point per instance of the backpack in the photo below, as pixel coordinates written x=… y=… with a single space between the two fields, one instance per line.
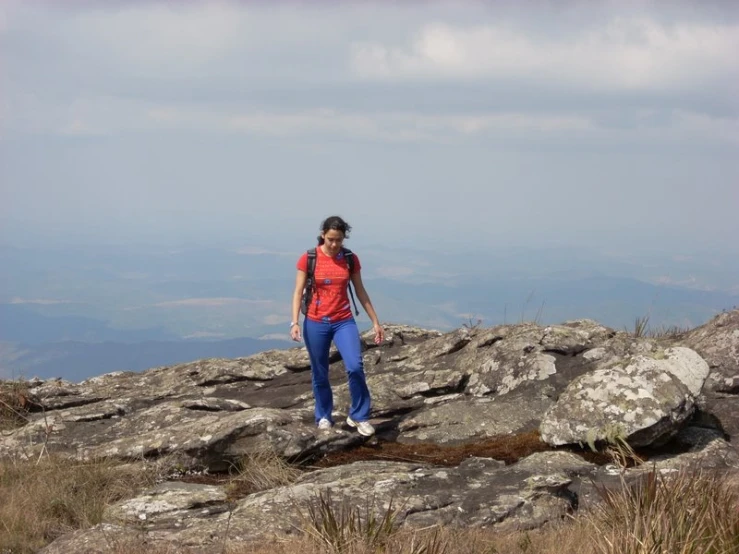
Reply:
x=310 y=285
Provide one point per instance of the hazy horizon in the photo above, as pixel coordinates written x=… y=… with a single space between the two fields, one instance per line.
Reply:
x=163 y=164
x=89 y=309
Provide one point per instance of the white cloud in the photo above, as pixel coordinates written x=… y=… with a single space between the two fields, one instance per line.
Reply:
x=158 y=45
x=203 y=335
x=385 y=126
x=3 y=21
x=275 y=319
x=41 y=301
x=212 y=302
x=627 y=53
x=395 y=271
x=392 y=126
x=110 y=115
x=164 y=37
x=705 y=127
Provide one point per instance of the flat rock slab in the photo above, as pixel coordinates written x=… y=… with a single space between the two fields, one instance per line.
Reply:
x=463 y=420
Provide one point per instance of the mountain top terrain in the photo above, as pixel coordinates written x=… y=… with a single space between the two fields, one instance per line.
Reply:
x=509 y=427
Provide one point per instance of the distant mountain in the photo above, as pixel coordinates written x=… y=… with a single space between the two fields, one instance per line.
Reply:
x=77 y=312
x=20 y=324
x=612 y=301
x=76 y=361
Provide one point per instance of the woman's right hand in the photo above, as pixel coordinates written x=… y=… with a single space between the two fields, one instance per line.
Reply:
x=295 y=333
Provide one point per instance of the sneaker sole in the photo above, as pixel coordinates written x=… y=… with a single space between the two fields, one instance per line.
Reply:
x=352 y=423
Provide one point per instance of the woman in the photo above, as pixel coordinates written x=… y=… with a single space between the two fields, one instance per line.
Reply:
x=329 y=318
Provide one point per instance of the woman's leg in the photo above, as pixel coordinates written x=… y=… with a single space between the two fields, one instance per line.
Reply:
x=346 y=338
x=317 y=336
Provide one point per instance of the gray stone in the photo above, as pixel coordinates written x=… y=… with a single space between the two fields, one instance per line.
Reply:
x=718 y=343
x=577 y=382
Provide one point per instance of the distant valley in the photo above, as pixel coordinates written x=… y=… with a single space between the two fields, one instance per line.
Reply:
x=81 y=312
x=76 y=361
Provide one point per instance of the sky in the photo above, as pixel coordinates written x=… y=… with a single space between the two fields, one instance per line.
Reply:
x=462 y=124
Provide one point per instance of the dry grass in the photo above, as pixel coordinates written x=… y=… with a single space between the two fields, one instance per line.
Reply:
x=39 y=502
x=680 y=513
x=507 y=448
x=669 y=332
x=15 y=403
x=261 y=470
x=642 y=329
x=339 y=527
x=568 y=537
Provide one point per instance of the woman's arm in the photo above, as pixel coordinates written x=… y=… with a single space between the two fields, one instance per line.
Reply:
x=300 y=279
x=364 y=299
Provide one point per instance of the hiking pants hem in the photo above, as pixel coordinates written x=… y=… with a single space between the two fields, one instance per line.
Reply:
x=345 y=335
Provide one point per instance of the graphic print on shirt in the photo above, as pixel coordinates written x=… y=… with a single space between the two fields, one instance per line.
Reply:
x=330 y=298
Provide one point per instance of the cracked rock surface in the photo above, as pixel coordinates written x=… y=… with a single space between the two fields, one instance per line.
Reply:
x=574 y=383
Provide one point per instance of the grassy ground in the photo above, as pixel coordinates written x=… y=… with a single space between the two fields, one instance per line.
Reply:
x=41 y=501
x=15 y=403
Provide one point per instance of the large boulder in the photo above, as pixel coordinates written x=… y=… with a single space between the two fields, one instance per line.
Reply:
x=645 y=403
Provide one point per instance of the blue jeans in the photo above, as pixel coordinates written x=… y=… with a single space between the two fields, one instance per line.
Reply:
x=318 y=336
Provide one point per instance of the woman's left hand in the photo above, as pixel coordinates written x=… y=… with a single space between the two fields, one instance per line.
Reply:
x=379 y=333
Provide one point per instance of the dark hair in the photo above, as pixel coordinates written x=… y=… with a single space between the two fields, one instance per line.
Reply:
x=337 y=224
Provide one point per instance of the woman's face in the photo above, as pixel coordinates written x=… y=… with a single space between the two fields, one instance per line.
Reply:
x=333 y=240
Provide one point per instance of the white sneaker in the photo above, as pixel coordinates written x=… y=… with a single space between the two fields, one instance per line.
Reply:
x=324 y=424
x=364 y=427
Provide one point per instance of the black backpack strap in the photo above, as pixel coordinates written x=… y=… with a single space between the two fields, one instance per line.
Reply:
x=311 y=262
x=349 y=256
x=309 y=281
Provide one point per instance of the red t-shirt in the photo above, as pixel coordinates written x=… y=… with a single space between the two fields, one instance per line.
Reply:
x=330 y=301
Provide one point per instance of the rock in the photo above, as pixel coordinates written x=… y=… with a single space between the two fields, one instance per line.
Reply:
x=480 y=492
x=704 y=449
x=169 y=505
x=718 y=343
x=211 y=411
x=644 y=403
x=463 y=419
x=723 y=411
x=96 y=540
x=685 y=364
x=578 y=382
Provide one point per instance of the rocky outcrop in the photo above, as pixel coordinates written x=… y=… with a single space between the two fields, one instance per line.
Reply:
x=718 y=343
x=480 y=491
x=576 y=383
x=645 y=403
